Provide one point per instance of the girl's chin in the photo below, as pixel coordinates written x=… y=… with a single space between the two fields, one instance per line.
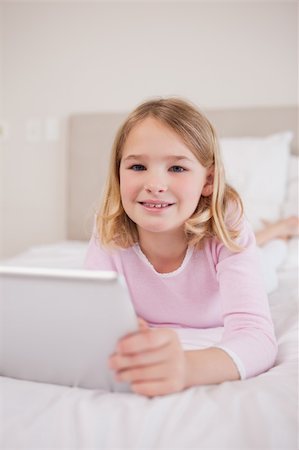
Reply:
x=142 y=227
x=152 y=229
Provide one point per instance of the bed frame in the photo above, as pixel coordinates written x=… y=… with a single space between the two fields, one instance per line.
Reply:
x=90 y=140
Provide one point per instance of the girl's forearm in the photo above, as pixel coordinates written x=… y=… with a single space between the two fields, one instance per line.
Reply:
x=209 y=366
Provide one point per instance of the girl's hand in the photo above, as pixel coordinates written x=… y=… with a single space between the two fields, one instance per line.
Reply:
x=152 y=360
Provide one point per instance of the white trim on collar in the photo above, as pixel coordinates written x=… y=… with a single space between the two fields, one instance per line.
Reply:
x=187 y=257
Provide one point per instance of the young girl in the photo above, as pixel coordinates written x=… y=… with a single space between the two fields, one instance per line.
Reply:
x=176 y=231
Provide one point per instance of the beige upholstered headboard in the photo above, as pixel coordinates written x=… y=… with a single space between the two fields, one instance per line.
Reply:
x=90 y=140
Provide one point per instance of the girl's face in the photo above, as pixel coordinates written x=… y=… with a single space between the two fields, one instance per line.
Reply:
x=161 y=180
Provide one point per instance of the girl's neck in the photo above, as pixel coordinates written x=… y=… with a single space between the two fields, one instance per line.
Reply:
x=165 y=252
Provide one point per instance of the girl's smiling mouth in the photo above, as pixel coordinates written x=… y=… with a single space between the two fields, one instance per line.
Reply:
x=155 y=204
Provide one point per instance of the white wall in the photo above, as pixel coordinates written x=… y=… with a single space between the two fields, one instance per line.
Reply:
x=1 y=135
x=64 y=57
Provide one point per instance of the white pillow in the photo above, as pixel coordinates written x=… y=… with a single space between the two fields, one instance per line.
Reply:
x=290 y=204
x=257 y=169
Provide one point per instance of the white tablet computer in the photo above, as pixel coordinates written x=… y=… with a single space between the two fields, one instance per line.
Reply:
x=60 y=326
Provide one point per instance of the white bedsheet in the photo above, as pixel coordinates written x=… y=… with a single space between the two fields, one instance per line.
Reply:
x=259 y=413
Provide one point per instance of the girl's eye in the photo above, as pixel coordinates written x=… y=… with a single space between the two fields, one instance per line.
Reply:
x=137 y=167
x=177 y=169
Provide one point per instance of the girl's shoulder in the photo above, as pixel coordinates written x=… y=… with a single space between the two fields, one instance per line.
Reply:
x=103 y=257
x=236 y=222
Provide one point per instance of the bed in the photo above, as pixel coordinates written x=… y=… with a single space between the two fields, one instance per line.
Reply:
x=258 y=413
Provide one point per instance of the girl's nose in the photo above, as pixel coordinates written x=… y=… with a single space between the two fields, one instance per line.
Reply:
x=155 y=188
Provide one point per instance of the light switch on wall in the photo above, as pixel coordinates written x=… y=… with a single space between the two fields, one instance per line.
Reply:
x=33 y=130
x=52 y=129
x=4 y=131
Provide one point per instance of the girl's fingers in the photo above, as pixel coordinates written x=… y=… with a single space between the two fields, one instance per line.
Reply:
x=152 y=361
x=143 y=325
x=165 y=374
x=119 y=361
x=145 y=340
x=157 y=387
x=144 y=373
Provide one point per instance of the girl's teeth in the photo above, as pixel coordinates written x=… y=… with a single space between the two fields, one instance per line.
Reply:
x=156 y=205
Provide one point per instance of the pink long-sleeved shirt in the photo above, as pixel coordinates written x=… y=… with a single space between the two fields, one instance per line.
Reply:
x=214 y=287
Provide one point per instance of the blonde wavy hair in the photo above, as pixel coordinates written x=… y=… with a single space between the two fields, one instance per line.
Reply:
x=211 y=217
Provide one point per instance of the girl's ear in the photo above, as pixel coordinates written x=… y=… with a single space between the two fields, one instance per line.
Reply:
x=209 y=184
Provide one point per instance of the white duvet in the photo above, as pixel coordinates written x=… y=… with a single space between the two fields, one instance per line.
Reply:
x=259 y=413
